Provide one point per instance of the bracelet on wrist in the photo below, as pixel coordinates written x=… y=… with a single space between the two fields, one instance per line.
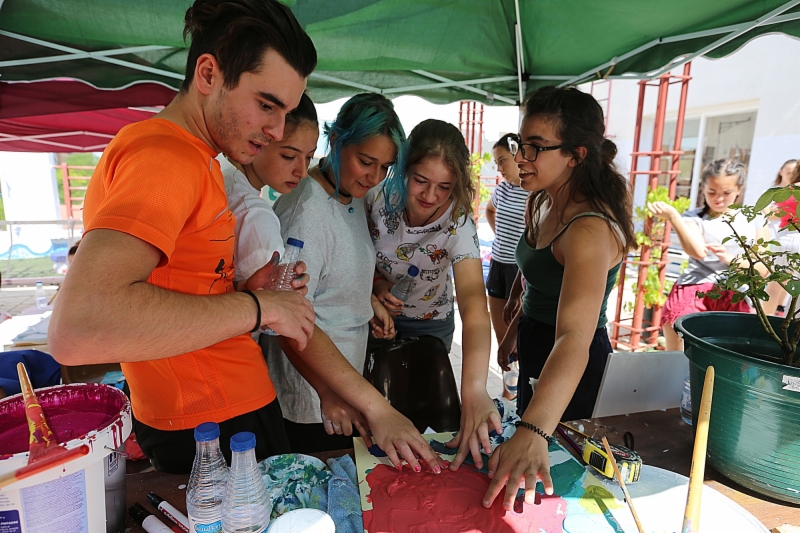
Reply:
x=258 y=307
x=528 y=425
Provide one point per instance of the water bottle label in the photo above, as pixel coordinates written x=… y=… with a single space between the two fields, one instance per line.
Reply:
x=198 y=527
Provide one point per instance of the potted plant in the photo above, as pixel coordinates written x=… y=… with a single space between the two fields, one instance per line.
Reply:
x=754 y=432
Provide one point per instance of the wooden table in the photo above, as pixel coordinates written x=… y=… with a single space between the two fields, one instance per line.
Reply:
x=660 y=437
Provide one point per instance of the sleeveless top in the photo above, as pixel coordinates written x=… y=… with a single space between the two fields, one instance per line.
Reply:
x=544 y=276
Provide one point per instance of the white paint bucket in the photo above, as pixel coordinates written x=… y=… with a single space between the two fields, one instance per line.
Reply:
x=303 y=521
x=84 y=495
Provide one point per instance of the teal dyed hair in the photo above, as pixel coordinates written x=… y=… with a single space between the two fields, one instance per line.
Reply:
x=361 y=118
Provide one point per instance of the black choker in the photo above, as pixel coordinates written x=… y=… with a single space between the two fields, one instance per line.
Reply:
x=330 y=182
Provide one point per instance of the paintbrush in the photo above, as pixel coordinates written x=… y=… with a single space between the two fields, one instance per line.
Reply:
x=622 y=485
x=43 y=442
x=691 y=517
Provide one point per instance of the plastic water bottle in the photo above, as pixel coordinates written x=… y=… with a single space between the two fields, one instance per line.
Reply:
x=246 y=506
x=282 y=281
x=686 y=401
x=511 y=378
x=402 y=289
x=40 y=295
x=206 y=488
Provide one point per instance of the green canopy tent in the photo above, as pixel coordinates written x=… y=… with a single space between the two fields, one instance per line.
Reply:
x=494 y=51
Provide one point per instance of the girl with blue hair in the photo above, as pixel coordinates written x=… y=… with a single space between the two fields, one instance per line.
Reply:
x=326 y=212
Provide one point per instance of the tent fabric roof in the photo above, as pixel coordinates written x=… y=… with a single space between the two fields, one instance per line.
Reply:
x=436 y=49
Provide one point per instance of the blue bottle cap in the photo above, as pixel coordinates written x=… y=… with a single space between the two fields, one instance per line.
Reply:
x=242 y=442
x=413 y=271
x=206 y=431
x=294 y=242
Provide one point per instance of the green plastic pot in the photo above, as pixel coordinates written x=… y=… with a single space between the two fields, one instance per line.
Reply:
x=754 y=432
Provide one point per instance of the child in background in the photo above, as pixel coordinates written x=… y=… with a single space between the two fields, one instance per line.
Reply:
x=505 y=213
x=280 y=165
x=701 y=232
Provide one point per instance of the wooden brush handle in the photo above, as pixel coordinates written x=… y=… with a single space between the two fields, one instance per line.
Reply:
x=691 y=517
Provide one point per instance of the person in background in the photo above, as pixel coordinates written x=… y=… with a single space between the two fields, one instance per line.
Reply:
x=72 y=251
x=505 y=213
x=432 y=228
x=280 y=165
x=326 y=212
x=786 y=174
x=580 y=229
x=152 y=287
x=701 y=232
x=779 y=216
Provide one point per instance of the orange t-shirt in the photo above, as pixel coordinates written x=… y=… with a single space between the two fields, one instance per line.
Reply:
x=161 y=184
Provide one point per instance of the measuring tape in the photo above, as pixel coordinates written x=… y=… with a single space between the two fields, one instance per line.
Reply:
x=628 y=461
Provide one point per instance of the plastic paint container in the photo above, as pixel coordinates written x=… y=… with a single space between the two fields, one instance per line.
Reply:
x=86 y=494
x=303 y=521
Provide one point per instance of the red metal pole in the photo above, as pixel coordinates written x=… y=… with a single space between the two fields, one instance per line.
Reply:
x=637 y=135
x=673 y=183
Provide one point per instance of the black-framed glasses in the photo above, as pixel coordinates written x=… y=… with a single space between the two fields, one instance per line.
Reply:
x=530 y=152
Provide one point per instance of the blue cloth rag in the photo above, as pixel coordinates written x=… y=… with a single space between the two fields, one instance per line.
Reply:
x=43 y=370
x=344 y=501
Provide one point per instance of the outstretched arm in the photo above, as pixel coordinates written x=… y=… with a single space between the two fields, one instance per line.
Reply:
x=479 y=415
x=589 y=249
x=107 y=312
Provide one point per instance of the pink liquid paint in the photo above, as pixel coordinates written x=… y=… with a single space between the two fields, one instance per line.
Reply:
x=72 y=411
x=450 y=502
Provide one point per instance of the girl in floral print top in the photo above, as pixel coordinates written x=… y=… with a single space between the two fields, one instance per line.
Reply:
x=434 y=231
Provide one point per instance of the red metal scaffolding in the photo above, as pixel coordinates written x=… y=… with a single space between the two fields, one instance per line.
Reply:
x=629 y=332
x=470 y=122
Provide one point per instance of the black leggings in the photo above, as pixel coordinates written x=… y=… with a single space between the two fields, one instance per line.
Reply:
x=535 y=341
x=173 y=451
x=312 y=438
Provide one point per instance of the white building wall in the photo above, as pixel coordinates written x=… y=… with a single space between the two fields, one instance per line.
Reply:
x=763 y=76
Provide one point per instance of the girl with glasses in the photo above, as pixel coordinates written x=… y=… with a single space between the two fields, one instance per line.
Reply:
x=578 y=232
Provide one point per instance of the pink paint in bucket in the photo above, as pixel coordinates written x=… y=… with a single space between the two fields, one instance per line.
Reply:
x=84 y=495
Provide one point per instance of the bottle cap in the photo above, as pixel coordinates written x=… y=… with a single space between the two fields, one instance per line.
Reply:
x=206 y=431
x=154 y=499
x=242 y=442
x=294 y=242
x=138 y=513
x=413 y=271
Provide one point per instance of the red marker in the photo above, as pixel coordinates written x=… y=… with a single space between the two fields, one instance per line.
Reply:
x=150 y=523
x=169 y=510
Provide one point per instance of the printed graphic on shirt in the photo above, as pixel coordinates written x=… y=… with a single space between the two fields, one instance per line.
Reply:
x=406 y=251
x=385 y=262
x=429 y=275
x=392 y=222
x=434 y=253
x=459 y=258
x=422 y=231
x=375 y=233
x=442 y=300
x=430 y=293
x=429 y=316
x=224 y=273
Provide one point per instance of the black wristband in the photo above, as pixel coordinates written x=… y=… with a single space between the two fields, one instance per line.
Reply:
x=528 y=425
x=258 y=306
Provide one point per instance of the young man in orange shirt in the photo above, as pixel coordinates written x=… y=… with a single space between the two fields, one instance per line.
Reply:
x=152 y=284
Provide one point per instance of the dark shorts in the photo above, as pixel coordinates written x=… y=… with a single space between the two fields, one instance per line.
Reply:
x=173 y=451
x=683 y=300
x=440 y=328
x=500 y=279
x=312 y=438
x=535 y=341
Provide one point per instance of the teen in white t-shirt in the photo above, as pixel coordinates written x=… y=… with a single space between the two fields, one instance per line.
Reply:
x=435 y=231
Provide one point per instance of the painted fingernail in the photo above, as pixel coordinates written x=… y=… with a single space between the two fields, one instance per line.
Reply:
x=417 y=468
x=490 y=473
x=445 y=463
x=399 y=467
x=437 y=469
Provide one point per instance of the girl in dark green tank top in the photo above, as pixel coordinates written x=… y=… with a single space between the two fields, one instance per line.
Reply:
x=580 y=207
